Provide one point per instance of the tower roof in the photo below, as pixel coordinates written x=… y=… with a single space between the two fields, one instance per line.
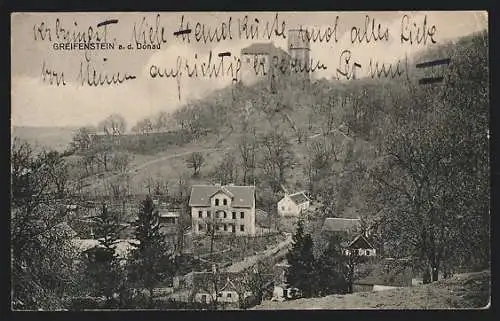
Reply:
x=263 y=49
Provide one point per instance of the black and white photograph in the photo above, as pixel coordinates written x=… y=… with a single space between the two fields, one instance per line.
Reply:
x=260 y=160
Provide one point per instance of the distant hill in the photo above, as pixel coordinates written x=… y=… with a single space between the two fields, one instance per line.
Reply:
x=56 y=138
x=358 y=125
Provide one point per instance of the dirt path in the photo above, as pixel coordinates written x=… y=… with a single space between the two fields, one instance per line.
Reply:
x=252 y=260
x=161 y=159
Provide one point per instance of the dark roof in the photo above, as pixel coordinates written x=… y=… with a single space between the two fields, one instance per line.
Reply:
x=229 y=286
x=263 y=49
x=204 y=281
x=243 y=196
x=64 y=227
x=299 y=198
x=338 y=224
x=360 y=242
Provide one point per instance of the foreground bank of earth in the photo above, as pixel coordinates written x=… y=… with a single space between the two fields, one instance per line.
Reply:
x=462 y=291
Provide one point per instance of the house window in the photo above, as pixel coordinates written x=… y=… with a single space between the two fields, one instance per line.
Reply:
x=242 y=214
x=248 y=60
x=216 y=202
x=225 y=227
x=224 y=201
x=282 y=208
x=200 y=227
x=242 y=228
x=209 y=214
x=225 y=214
x=367 y=252
x=219 y=294
x=229 y=295
x=234 y=215
x=233 y=227
x=204 y=298
x=200 y=214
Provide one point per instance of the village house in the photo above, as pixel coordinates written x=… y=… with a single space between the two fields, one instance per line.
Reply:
x=361 y=246
x=349 y=229
x=293 y=204
x=166 y=215
x=281 y=290
x=229 y=209
x=206 y=287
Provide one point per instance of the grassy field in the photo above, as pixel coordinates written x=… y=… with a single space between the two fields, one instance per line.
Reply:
x=462 y=291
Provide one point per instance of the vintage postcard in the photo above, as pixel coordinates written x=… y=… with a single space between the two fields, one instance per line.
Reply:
x=250 y=160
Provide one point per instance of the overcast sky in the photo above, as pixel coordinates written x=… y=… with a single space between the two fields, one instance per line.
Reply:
x=37 y=103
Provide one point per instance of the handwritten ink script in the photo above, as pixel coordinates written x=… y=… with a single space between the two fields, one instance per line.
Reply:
x=237 y=47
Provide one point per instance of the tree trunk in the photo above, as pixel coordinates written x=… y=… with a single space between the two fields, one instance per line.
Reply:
x=435 y=273
x=349 y=287
x=212 y=236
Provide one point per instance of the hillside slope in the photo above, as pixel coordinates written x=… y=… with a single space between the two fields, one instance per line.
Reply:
x=462 y=291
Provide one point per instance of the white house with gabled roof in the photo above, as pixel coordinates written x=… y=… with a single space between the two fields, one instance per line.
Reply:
x=230 y=209
x=293 y=204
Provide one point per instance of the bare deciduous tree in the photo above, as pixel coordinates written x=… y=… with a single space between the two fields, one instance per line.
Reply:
x=277 y=158
x=195 y=161
x=161 y=121
x=121 y=162
x=39 y=245
x=227 y=171
x=247 y=148
x=82 y=139
x=113 y=125
x=321 y=156
x=58 y=171
x=144 y=126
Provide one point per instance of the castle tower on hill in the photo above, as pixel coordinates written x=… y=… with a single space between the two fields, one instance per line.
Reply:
x=299 y=47
x=258 y=61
